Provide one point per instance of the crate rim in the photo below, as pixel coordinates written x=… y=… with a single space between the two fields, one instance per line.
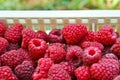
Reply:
x=60 y=14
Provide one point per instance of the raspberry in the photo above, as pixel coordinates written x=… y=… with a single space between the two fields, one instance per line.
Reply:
x=90 y=36
x=82 y=73
x=59 y=45
x=42 y=35
x=117 y=77
x=27 y=35
x=56 y=72
x=23 y=54
x=117 y=41
x=74 y=55
x=105 y=69
x=3 y=45
x=13 y=46
x=106 y=36
x=115 y=49
x=25 y=70
x=69 y=68
x=110 y=56
x=86 y=44
x=74 y=33
x=42 y=69
x=13 y=34
x=91 y=55
x=2 y=28
x=56 y=53
x=7 y=74
x=37 y=48
x=56 y=36
x=11 y=59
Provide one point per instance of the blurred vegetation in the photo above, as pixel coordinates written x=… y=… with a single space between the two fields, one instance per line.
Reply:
x=58 y=4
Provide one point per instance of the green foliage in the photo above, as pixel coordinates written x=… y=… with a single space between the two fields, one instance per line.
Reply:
x=58 y=4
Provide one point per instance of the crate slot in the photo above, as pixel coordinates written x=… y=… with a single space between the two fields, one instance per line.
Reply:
x=113 y=20
x=34 y=21
x=46 y=21
x=100 y=20
x=11 y=21
x=21 y=20
x=84 y=20
x=59 y=21
x=72 y=21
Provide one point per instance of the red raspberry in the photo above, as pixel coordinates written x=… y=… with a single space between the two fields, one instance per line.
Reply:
x=2 y=28
x=117 y=77
x=74 y=55
x=56 y=36
x=82 y=73
x=3 y=45
x=13 y=34
x=110 y=56
x=27 y=35
x=115 y=49
x=37 y=48
x=69 y=68
x=56 y=53
x=58 y=44
x=25 y=70
x=11 y=59
x=90 y=36
x=86 y=44
x=105 y=69
x=73 y=33
x=24 y=54
x=42 y=69
x=42 y=35
x=106 y=36
x=117 y=41
x=13 y=46
x=91 y=55
x=56 y=72
x=7 y=74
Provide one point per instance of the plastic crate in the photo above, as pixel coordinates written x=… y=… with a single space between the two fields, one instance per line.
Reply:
x=47 y=20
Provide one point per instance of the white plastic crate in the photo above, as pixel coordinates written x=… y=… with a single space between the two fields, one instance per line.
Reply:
x=47 y=20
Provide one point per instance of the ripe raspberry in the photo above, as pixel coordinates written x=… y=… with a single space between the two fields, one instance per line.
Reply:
x=86 y=44
x=7 y=74
x=3 y=45
x=74 y=33
x=82 y=73
x=69 y=68
x=117 y=77
x=59 y=45
x=105 y=69
x=110 y=56
x=13 y=46
x=56 y=72
x=2 y=29
x=91 y=55
x=37 y=48
x=27 y=35
x=56 y=36
x=13 y=58
x=42 y=69
x=42 y=35
x=117 y=41
x=90 y=36
x=106 y=36
x=115 y=49
x=74 y=55
x=56 y=53
x=25 y=70
x=13 y=34
x=23 y=54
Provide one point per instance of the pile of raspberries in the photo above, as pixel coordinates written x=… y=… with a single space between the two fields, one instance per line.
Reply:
x=70 y=53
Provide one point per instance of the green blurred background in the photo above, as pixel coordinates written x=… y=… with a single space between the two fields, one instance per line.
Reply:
x=58 y=4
